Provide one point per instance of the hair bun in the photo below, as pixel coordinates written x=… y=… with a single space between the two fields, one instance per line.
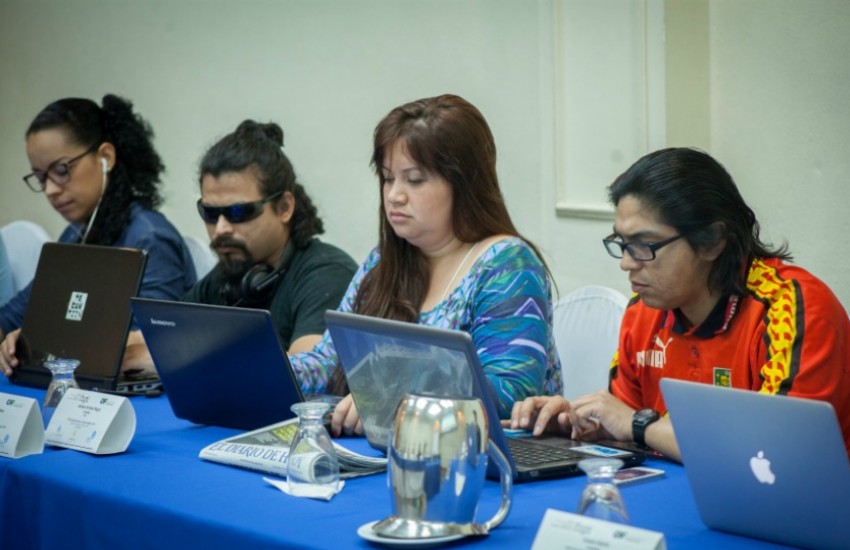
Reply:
x=116 y=107
x=257 y=130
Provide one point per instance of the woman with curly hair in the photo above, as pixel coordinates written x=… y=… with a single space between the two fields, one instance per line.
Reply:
x=97 y=166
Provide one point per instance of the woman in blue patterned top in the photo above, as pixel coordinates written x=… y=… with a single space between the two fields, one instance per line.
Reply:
x=449 y=256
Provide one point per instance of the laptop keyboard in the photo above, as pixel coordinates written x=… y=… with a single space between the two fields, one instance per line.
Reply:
x=530 y=452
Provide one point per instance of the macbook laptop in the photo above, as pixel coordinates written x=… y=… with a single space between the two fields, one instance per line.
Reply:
x=763 y=466
x=385 y=359
x=79 y=308
x=222 y=366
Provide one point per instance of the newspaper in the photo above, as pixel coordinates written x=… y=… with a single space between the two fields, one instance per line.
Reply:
x=267 y=449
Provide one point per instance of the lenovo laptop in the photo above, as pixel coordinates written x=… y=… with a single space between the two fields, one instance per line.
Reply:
x=79 y=308
x=385 y=359
x=763 y=466
x=221 y=366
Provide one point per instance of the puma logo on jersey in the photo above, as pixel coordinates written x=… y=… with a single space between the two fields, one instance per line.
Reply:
x=654 y=358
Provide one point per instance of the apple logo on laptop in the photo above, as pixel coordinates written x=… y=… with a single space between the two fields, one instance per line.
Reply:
x=761 y=469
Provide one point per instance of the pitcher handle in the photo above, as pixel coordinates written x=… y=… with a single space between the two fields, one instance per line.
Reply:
x=507 y=483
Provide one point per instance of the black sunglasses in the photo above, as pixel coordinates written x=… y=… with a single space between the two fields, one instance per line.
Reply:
x=234 y=213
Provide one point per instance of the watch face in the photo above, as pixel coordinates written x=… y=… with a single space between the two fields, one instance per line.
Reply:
x=647 y=414
x=641 y=419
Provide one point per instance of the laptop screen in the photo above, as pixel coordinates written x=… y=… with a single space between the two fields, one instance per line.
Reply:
x=417 y=366
x=79 y=308
x=424 y=359
x=765 y=466
x=222 y=366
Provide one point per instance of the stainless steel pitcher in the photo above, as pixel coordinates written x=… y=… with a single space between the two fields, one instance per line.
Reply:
x=437 y=461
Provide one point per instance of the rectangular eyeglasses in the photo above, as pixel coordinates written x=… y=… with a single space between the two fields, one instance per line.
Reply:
x=641 y=252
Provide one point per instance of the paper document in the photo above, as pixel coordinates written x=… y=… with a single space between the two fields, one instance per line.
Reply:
x=267 y=450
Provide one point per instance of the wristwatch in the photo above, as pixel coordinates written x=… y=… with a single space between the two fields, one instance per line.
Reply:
x=640 y=420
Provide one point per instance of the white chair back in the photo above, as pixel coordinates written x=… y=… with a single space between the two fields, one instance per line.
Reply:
x=23 y=240
x=202 y=256
x=587 y=326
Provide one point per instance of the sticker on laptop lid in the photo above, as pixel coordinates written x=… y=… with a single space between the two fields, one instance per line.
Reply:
x=599 y=450
x=76 y=306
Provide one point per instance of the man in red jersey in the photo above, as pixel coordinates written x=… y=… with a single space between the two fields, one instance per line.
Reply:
x=712 y=303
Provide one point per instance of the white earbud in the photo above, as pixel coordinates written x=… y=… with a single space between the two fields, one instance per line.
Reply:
x=105 y=167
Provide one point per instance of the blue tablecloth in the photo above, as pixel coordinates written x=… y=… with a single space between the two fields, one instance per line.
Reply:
x=159 y=494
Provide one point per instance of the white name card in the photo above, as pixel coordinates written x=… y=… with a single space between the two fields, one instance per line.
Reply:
x=574 y=532
x=21 y=426
x=93 y=422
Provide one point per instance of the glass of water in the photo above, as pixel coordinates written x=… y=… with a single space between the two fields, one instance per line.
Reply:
x=601 y=499
x=62 y=371
x=312 y=468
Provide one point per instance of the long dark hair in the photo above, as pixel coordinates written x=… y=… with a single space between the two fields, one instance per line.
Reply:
x=255 y=146
x=135 y=177
x=694 y=193
x=445 y=135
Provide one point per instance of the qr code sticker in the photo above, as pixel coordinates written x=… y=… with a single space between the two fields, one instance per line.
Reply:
x=76 y=306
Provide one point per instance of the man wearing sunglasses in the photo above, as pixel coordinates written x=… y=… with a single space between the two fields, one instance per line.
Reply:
x=712 y=303
x=263 y=227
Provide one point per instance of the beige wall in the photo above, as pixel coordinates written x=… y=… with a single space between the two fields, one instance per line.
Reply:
x=780 y=121
x=766 y=94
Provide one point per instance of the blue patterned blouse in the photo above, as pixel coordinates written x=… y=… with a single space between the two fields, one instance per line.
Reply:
x=504 y=302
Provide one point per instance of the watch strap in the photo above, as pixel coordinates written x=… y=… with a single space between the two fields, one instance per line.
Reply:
x=640 y=421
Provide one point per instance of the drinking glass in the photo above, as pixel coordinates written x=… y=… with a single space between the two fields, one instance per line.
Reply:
x=62 y=371
x=601 y=499
x=312 y=468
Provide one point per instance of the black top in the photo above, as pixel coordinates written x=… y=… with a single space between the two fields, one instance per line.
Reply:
x=316 y=280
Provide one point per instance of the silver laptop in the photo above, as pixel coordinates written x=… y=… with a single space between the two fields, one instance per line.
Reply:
x=222 y=366
x=384 y=359
x=763 y=466
x=79 y=308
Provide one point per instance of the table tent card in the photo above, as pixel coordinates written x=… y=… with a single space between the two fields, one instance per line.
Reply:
x=574 y=532
x=93 y=422
x=21 y=426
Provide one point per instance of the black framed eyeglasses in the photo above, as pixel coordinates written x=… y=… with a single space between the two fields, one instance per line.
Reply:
x=59 y=172
x=240 y=212
x=641 y=252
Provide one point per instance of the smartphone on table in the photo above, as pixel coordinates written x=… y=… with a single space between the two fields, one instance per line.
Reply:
x=636 y=474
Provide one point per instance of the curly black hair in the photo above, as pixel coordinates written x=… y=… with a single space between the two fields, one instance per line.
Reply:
x=257 y=146
x=135 y=177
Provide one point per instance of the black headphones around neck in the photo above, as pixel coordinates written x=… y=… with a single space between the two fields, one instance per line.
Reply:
x=259 y=282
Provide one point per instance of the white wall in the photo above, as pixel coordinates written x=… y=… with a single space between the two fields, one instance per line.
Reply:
x=327 y=71
x=780 y=118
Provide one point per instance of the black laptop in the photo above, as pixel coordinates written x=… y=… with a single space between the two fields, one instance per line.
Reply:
x=79 y=308
x=222 y=366
x=385 y=359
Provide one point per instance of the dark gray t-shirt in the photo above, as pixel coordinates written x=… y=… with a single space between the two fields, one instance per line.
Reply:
x=315 y=281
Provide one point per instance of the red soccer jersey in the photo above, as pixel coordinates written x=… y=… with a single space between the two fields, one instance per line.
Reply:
x=789 y=335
